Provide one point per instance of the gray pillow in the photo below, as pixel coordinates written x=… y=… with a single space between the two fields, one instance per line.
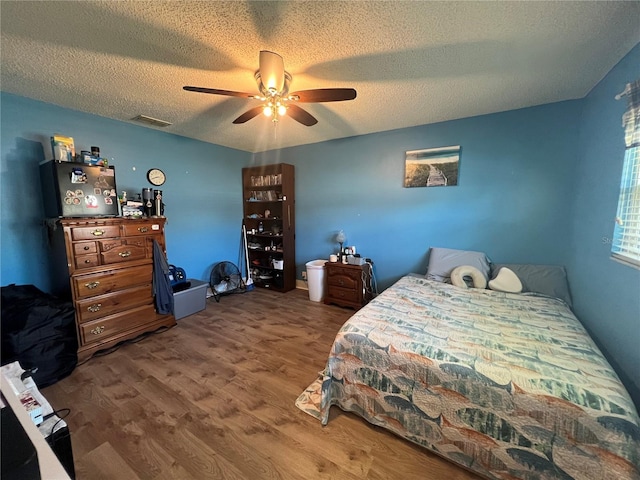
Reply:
x=549 y=280
x=443 y=260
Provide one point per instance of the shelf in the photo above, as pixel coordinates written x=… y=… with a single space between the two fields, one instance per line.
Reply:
x=264 y=235
x=270 y=190
x=266 y=187
x=271 y=269
x=265 y=180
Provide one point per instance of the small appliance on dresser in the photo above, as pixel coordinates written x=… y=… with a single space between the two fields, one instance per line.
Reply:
x=78 y=190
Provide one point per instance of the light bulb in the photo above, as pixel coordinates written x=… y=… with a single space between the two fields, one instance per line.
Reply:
x=268 y=111
x=282 y=110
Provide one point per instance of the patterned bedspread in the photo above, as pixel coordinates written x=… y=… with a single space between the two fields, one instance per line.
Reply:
x=508 y=385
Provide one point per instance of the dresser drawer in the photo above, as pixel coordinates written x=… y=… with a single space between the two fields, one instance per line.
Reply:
x=111 y=280
x=109 y=244
x=347 y=295
x=86 y=261
x=147 y=228
x=344 y=278
x=84 y=248
x=96 y=231
x=103 y=328
x=139 y=241
x=110 y=303
x=123 y=253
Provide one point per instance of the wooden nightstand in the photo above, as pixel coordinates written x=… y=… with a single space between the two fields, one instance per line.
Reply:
x=348 y=285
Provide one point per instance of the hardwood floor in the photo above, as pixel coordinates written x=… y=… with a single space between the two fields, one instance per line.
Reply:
x=214 y=398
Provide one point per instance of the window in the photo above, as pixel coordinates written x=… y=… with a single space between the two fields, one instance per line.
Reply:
x=626 y=234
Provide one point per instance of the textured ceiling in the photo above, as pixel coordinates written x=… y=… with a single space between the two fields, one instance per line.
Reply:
x=412 y=63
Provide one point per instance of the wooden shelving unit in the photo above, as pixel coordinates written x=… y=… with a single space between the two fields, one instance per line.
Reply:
x=269 y=218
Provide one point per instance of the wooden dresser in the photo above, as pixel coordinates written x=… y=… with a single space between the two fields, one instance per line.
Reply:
x=110 y=262
x=348 y=285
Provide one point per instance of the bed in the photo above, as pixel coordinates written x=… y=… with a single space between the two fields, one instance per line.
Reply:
x=507 y=385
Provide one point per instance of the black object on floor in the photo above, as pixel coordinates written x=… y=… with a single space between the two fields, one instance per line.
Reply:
x=39 y=331
x=18 y=456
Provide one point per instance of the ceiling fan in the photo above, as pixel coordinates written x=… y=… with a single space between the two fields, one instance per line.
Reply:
x=273 y=83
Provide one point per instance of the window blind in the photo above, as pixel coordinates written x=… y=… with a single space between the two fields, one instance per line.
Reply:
x=626 y=235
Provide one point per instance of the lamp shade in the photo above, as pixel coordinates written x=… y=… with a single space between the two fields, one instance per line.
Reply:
x=341 y=237
x=272 y=71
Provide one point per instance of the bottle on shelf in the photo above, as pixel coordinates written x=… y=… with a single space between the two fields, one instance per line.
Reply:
x=269 y=213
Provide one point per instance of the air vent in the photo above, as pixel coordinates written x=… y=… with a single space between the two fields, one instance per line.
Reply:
x=151 y=121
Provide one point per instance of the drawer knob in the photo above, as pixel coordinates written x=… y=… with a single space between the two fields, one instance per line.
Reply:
x=95 y=307
x=86 y=247
x=98 y=330
x=87 y=261
x=143 y=229
x=92 y=285
x=341 y=282
x=97 y=233
x=125 y=254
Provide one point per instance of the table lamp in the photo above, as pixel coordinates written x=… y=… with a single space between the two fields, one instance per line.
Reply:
x=341 y=238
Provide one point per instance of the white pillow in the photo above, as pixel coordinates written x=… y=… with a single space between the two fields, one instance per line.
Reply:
x=443 y=260
x=506 y=281
x=477 y=277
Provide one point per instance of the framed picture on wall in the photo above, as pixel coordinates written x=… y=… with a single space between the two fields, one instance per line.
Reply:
x=432 y=167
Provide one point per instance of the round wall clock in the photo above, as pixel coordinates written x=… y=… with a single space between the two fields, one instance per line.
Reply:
x=156 y=176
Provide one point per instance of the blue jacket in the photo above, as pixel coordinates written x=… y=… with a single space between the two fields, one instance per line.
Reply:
x=162 y=290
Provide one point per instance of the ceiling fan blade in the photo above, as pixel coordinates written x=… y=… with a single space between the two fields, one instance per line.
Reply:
x=272 y=70
x=249 y=114
x=300 y=115
x=325 y=95
x=215 y=91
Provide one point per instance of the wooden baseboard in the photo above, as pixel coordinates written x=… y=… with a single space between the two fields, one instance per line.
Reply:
x=302 y=284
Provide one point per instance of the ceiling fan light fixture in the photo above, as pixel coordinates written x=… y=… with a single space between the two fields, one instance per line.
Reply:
x=269 y=90
x=273 y=83
x=272 y=71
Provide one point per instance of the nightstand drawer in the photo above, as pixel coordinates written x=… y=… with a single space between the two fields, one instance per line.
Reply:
x=344 y=280
x=348 y=295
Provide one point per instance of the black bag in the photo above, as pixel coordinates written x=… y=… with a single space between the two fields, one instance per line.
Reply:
x=39 y=331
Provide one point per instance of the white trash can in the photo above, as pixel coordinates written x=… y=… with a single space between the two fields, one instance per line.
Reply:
x=315 y=279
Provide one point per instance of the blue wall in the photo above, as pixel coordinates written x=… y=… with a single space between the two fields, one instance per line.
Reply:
x=537 y=185
x=202 y=193
x=511 y=200
x=606 y=293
